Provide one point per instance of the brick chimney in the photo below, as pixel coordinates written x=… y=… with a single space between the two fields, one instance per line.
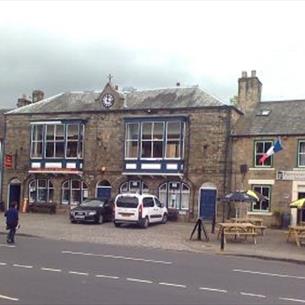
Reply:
x=23 y=101
x=249 y=91
x=37 y=96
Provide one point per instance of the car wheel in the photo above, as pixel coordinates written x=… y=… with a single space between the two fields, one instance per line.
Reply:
x=100 y=219
x=72 y=221
x=164 y=219
x=145 y=223
x=116 y=224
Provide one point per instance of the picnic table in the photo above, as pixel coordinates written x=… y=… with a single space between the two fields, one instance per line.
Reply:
x=258 y=222
x=297 y=234
x=236 y=229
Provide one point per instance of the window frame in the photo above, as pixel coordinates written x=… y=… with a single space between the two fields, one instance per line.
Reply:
x=263 y=165
x=37 y=141
x=261 y=186
x=83 y=187
x=181 y=137
x=299 y=153
x=49 y=187
x=127 y=140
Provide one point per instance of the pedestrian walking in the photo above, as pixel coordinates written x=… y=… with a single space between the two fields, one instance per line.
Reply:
x=12 y=219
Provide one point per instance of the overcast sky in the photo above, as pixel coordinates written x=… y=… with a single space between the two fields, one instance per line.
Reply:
x=61 y=46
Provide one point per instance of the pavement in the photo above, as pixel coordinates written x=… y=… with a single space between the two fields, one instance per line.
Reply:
x=169 y=236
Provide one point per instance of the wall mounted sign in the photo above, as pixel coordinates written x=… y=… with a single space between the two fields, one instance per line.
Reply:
x=290 y=175
x=8 y=161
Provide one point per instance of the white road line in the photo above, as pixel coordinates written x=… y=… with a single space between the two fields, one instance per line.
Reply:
x=79 y=273
x=172 y=284
x=50 y=269
x=118 y=257
x=22 y=266
x=8 y=298
x=213 y=289
x=252 y=294
x=271 y=274
x=138 y=280
x=293 y=300
x=107 y=276
x=3 y=264
x=7 y=246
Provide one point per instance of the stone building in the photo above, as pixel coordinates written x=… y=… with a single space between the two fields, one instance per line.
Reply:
x=172 y=142
x=281 y=178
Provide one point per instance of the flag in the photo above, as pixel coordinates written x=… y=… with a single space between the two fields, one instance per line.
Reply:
x=272 y=150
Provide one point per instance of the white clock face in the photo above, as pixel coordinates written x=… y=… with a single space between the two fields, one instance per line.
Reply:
x=108 y=100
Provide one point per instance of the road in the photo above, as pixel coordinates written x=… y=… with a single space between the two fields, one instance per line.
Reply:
x=42 y=271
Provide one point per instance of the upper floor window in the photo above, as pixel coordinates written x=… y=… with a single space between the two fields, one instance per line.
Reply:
x=132 y=140
x=261 y=147
x=160 y=139
x=152 y=140
x=301 y=153
x=57 y=140
x=263 y=205
x=41 y=190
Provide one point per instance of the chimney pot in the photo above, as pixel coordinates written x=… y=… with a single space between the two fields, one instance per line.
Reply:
x=244 y=74
x=178 y=84
x=116 y=87
x=253 y=73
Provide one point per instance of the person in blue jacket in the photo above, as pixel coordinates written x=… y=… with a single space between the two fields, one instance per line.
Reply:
x=12 y=219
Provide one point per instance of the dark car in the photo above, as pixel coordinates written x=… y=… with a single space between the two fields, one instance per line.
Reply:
x=92 y=210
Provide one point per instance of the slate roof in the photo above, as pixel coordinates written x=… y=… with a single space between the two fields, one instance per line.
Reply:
x=177 y=97
x=284 y=118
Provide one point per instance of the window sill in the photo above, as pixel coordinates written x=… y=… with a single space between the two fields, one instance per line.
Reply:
x=260 y=213
x=261 y=168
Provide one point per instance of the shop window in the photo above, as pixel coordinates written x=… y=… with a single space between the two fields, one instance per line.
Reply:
x=175 y=194
x=74 y=192
x=41 y=191
x=134 y=186
x=263 y=205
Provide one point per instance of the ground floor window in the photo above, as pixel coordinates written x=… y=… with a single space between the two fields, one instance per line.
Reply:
x=263 y=205
x=134 y=186
x=41 y=190
x=175 y=195
x=74 y=192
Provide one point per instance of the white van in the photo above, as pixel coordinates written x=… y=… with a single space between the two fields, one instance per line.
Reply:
x=140 y=209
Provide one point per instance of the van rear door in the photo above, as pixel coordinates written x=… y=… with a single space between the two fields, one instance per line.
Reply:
x=126 y=208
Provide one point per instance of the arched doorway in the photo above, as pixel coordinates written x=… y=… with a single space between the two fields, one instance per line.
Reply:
x=207 y=201
x=103 y=190
x=14 y=190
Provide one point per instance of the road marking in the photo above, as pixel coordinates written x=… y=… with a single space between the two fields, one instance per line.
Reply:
x=107 y=276
x=50 y=269
x=8 y=298
x=252 y=294
x=3 y=264
x=293 y=300
x=7 y=246
x=138 y=280
x=172 y=284
x=271 y=274
x=213 y=289
x=22 y=266
x=117 y=257
x=79 y=273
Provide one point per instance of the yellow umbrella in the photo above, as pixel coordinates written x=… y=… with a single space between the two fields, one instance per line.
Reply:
x=298 y=203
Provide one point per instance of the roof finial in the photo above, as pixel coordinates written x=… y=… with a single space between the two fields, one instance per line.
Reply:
x=110 y=77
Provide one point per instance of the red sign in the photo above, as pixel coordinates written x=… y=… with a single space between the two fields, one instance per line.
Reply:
x=8 y=161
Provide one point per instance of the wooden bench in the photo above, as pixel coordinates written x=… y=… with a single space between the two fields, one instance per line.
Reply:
x=261 y=229
x=238 y=234
x=38 y=207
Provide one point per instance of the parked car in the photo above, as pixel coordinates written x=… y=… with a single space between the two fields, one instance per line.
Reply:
x=141 y=209
x=92 y=210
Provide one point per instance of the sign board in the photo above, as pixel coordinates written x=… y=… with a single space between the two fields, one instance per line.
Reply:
x=290 y=175
x=8 y=161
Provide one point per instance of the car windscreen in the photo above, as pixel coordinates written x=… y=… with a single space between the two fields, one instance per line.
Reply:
x=92 y=203
x=127 y=202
